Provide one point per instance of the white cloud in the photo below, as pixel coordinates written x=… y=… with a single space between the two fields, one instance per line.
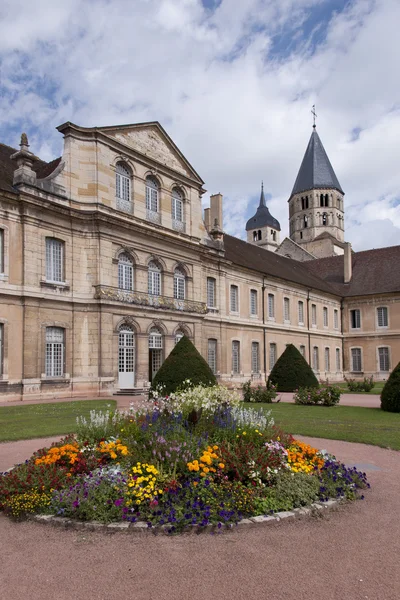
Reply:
x=238 y=110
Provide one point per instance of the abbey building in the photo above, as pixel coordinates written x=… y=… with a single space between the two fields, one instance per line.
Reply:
x=106 y=260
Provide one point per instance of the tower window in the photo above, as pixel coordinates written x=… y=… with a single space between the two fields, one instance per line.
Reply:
x=324 y=219
x=255 y=236
x=301 y=235
x=273 y=233
x=326 y=200
x=303 y=203
x=259 y=235
x=321 y=200
x=306 y=201
x=305 y=221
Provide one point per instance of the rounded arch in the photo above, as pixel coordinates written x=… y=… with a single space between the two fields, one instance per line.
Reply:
x=125 y=250
x=128 y=323
x=155 y=176
x=158 y=261
x=119 y=158
x=179 y=191
x=157 y=324
x=183 y=328
x=180 y=266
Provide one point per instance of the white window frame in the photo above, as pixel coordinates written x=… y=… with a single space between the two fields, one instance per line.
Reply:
x=301 y=312
x=327 y=357
x=155 y=339
x=271 y=307
x=236 y=357
x=234 y=298
x=55 y=352
x=356 y=355
x=212 y=354
x=255 y=357
x=177 y=206
x=385 y=358
x=123 y=178
x=336 y=318
x=152 y=195
x=315 y=359
x=273 y=350
x=55 y=250
x=382 y=317
x=325 y=316
x=211 y=292
x=179 y=284
x=313 y=315
x=154 y=279
x=253 y=303
x=125 y=272
x=286 y=310
x=355 y=311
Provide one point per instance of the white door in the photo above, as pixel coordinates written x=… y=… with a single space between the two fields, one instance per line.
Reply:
x=126 y=359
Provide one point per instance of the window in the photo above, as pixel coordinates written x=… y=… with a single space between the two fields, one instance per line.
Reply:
x=382 y=315
x=123 y=182
x=272 y=356
x=325 y=314
x=315 y=359
x=273 y=233
x=177 y=205
x=1 y=348
x=314 y=315
x=303 y=351
x=327 y=360
x=255 y=357
x=154 y=279
x=54 y=260
x=305 y=221
x=179 y=335
x=54 y=360
x=286 y=310
x=155 y=339
x=383 y=354
x=301 y=312
x=336 y=319
x=234 y=298
x=211 y=287
x=355 y=319
x=338 y=361
x=179 y=284
x=253 y=302
x=125 y=272
x=235 y=357
x=324 y=219
x=212 y=355
x=151 y=194
x=271 y=306
x=356 y=363
x=1 y=250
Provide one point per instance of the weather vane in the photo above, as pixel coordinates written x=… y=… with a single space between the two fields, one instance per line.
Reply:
x=314 y=114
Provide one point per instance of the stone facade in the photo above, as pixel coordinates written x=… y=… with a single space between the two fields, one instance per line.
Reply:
x=106 y=261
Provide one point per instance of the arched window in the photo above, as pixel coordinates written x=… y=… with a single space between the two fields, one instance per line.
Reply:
x=179 y=284
x=179 y=335
x=126 y=354
x=255 y=236
x=306 y=201
x=259 y=234
x=152 y=191
x=123 y=179
x=305 y=221
x=154 y=279
x=155 y=339
x=324 y=219
x=321 y=200
x=177 y=209
x=125 y=272
x=326 y=200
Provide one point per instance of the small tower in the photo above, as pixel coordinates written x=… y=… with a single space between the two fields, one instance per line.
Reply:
x=316 y=212
x=262 y=229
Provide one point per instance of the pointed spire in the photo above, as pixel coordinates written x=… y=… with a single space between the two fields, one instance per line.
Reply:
x=262 y=197
x=316 y=171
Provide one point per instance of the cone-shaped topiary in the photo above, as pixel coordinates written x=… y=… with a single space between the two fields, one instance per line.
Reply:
x=390 y=395
x=291 y=372
x=184 y=362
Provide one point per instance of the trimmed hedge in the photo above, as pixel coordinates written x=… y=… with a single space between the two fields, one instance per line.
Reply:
x=292 y=372
x=390 y=395
x=184 y=362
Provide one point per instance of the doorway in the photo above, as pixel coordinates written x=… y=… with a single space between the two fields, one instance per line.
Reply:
x=126 y=358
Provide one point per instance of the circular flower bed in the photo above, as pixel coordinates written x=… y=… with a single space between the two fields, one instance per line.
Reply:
x=194 y=459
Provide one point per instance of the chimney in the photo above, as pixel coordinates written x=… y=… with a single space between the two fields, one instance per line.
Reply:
x=216 y=217
x=207 y=218
x=347 y=262
x=24 y=159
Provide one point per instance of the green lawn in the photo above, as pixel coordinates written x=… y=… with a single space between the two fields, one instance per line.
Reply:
x=28 y=421
x=378 y=386
x=350 y=423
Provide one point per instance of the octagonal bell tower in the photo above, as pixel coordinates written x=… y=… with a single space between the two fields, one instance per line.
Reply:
x=316 y=210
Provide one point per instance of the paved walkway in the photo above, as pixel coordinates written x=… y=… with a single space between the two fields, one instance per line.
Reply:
x=348 y=554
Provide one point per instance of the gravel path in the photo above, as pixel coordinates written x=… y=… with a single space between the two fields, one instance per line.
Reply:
x=351 y=553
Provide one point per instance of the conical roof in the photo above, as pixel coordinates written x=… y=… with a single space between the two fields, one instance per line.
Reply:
x=263 y=217
x=316 y=170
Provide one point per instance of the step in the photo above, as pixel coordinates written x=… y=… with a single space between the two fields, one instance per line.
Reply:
x=132 y=392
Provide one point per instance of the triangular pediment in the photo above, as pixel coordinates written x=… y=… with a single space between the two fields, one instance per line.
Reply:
x=151 y=140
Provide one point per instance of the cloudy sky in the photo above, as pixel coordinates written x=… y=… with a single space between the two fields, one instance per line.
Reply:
x=232 y=81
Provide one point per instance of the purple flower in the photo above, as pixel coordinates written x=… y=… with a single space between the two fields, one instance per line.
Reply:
x=118 y=502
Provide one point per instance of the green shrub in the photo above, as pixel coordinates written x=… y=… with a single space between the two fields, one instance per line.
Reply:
x=360 y=386
x=326 y=396
x=390 y=396
x=258 y=394
x=291 y=490
x=185 y=362
x=291 y=372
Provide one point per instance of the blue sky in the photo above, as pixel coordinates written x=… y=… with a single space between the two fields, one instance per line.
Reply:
x=232 y=82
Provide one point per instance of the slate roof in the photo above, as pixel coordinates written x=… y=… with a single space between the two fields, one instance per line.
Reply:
x=263 y=217
x=271 y=264
x=373 y=272
x=8 y=166
x=316 y=171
